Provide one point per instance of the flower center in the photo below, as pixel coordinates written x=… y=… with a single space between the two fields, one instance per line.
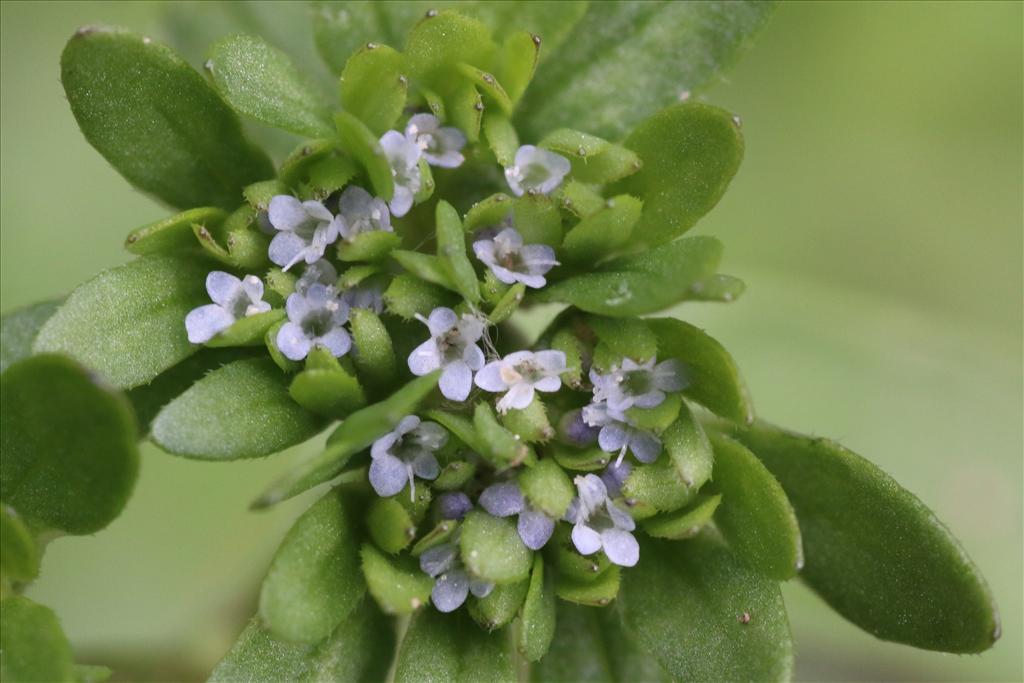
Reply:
x=318 y=323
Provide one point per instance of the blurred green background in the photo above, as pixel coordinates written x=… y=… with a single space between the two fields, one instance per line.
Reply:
x=877 y=222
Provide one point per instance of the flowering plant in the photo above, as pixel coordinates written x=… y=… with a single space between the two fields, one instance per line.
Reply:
x=518 y=502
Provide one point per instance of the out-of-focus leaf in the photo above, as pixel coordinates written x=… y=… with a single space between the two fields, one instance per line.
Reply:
x=593 y=591
x=241 y=410
x=642 y=283
x=373 y=86
x=157 y=121
x=685 y=604
x=32 y=645
x=713 y=379
x=373 y=353
x=260 y=81
x=535 y=627
x=755 y=516
x=363 y=145
x=873 y=551
x=19 y=555
x=690 y=152
x=718 y=287
x=397 y=584
x=500 y=606
x=357 y=432
x=128 y=323
x=173 y=233
x=67 y=445
x=314 y=580
x=492 y=550
x=625 y=60
x=18 y=330
x=451 y=648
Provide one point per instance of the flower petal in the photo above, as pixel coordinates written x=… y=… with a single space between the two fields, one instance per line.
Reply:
x=548 y=384
x=286 y=248
x=645 y=446
x=535 y=528
x=337 y=342
x=620 y=547
x=612 y=438
x=431 y=436
x=454 y=505
x=223 y=288
x=489 y=378
x=620 y=518
x=401 y=201
x=456 y=381
x=286 y=212
x=382 y=445
x=586 y=540
x=473 y=357
x=519 y=397
x=424 y=359
x=388 y=475
x=479 y=588
x=293 y=342
x=502 y=500
x=450 y=591
x=438 y=559
x=425 y=466
x=203 y=323
x=441 y=320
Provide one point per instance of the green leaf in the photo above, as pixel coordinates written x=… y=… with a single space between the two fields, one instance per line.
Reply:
x=373 y=353
x=500 y=446
x=128 y=323
x=615 y=163
x=755 y=516
x=873 y=551
x=684 y=523
x=327 y=176
x=19 y=555
x=156 y=121
x=537 y=219
x=643 y=283
x=426 y=267
x=507 y=304
x=260 y=81
x=451 y=250
x=500 y=606
x=32 y=644
x=603 y=232
x=596 y=592
x=247 y=331
x=621 y=338
x=501 y=137
x=407 y=295
x=314 y=580
x=661 y=50
x=492 y=550
x=714 y=380
x=690 y=153
x=373 y=86
x=363 y=145
x=67 y=445
x=18 y=330
x=685 y=604
x=488 y=86
x=530 y=424
x=357 y=432
x=466 y=110
x=173 y=233
x=579 y=198
x=518 y=60
x=397 y=584
x=536 y=624
x=718 y=287
x=442 y=648
x=442 y=41
x=325 y=387
x=241 y=410
x=391 y=526
x=547 y=487
x=368 y=246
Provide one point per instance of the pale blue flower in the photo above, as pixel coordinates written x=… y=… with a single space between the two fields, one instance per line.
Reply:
x=642 y=385
x=599 y=524
x=617 y=435
x=536 y=171
x=441 y=146
x=521 y=373
x=320 y=272
x=453 y=583
x=505 y=499
x=452 y=347
x=232 y=299
x=400 y=456
x=512 y=261
x=315 y=318
x=403 y=156
x=305 y=229
x=361 y=212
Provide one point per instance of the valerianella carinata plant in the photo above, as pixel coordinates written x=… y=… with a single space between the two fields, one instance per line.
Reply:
x=591 y=500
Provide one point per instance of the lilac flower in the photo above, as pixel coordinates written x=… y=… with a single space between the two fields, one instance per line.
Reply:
x=511 y=261
x=454 y=505
x=599 y=524
x=304 y=230
x=315 y=318
x=536 y=171
x=453 y=583
x=614 y=476
x=232 y=299
x=364 y=295
x=618 y=435
x=362 y=212
x=400 y=456
x=638 y=384
x=452 y=347
x=403 y=157
x=440 y=146
x=320 y=272
x=519 y=374
x=505 y=500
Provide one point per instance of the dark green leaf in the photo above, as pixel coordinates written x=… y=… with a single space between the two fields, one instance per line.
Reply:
x=391 y=526
x=547 y=487
x=684 y=523
x=873 y=551
x=451 y=250
x=596 y=592
x=19 y=555
x=363 y=145
x=713 y=378
x=451 y=648
x=644 y=283
x=314 y=580
x=18 y=330
x=685 y=604
x=260 y=81
x=373 y=353
x=241 y=410
x=536 y=624
x=67 y=445
x=500 y=446
x=426 y=267
x=492 y=550
x=156 y=121
x=128 y=323
x=755 y=516
x=373 y=86
x=626 y=60
x=173 y=233
x=258 y=657
x=248 y=331
x=407 y=295
x=531 y=423
x=690 y=153
x=501 y=137
x=500 y=606
x=397 y=584
x=32 y=645
x=357 y=432
x=603 y=232
x=368 y=246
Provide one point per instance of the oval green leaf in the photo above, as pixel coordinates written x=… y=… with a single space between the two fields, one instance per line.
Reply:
x=373 y=86
x=452 y=648
x=492 y=550
x=18 y=331
x=33 y=645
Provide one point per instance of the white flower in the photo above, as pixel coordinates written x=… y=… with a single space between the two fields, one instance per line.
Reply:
x=638 y=384
x=618 y=435
x=452 y=347
x=453 y=584
x=404 y=454
x=519 y=374
x=511 y=261
x=315 y=318
x=440 y=146
x=599 y=524
x=364 y=295
x=232 y=299
x=320 y=272
x=305 y=230
x=536 y=170
x=403 y=157
x=504 y=500
x=362 y=212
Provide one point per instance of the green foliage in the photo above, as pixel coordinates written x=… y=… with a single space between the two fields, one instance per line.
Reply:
x=492 y=550
x=873 y=551
x=450 y=647
x=32 y=645
x=398 y=585
x=536 y=624
x=314 y=581
x=19 y=556
x=173 y=233
x=67 y=446
x=373 y=86
x=240 y=410
x=19 y=328
x=156 y=121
